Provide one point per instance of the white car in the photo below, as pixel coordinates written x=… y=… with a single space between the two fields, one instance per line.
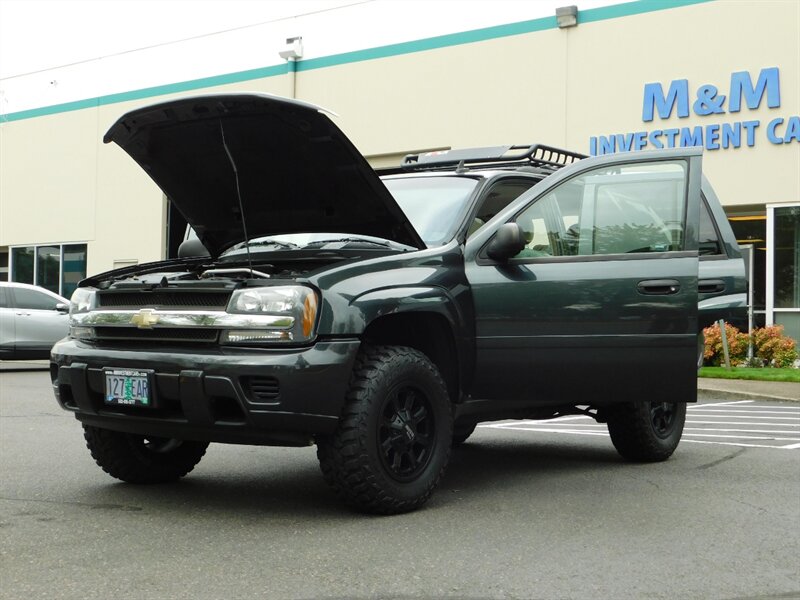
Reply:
x=32 y=319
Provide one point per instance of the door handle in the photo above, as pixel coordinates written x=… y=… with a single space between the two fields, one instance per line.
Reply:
x=659 y=287
x=23 y=314
x=710 y=286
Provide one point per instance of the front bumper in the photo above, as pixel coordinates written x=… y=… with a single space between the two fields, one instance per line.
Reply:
x=232 y=395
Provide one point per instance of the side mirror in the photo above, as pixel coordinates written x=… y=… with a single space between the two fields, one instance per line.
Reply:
x=62 y=308
x=192 y=247
x=507 y=242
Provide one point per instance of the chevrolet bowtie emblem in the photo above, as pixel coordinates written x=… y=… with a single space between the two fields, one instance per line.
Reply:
x=145 y=318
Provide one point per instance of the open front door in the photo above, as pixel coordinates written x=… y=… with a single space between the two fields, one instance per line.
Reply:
x=601 y=305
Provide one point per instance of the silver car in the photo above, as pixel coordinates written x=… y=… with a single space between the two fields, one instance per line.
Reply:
x=32 y=319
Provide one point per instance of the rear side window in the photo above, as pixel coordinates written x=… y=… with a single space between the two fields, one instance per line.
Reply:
x=24 y=298
x=708 y=236
x=624 y=210
x=3 y=296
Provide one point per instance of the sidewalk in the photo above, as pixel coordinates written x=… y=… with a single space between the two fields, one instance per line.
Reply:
x=743 y=389
x=24 y=365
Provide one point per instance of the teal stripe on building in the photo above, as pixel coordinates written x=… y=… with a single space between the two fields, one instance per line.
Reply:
x=444 y=41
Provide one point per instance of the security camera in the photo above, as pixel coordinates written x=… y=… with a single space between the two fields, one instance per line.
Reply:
x=293 y=50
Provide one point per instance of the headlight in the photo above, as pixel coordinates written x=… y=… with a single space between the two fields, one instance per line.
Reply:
x=295 y=303
x=82 y=300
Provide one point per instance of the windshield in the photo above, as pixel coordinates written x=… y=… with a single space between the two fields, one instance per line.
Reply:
x=434 y=205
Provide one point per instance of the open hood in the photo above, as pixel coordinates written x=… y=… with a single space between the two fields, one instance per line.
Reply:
x=298 y=173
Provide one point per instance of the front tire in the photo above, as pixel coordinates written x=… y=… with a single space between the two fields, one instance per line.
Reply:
x=140 y=459
x=647 y=431
x=393 y=441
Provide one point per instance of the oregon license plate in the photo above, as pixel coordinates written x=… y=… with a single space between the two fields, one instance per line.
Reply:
x=126 y=387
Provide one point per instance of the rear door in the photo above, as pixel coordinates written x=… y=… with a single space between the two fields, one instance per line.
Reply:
x=601 y=304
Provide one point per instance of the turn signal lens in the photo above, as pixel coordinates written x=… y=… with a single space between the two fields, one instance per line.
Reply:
x=309 y=314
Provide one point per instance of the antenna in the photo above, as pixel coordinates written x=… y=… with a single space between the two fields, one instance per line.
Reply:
x=239 y=196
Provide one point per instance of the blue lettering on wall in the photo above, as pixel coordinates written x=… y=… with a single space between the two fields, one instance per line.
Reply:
x=691 y=137
x=744 y=88
x=708 y=101
x=778 y=135
x=750 y=126
x=654 y=98
x=731 y=135
x=792 y=130
x=768 y=79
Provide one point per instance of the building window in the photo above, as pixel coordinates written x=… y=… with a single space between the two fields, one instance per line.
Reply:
x=22 y=264
x=787 y=257
x=783 y=267
x=56 y=267
x=73 y=267
x=750 y=228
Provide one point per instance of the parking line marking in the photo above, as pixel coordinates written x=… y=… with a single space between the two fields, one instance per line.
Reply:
x=740 y=430
x=792 y=447
x=718 y=416
x=749 y=412
x=545 y=430
x=743 y=423
x=742 y=437
x=732 y=402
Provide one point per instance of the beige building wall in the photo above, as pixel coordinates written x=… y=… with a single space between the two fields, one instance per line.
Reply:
x=59 y=183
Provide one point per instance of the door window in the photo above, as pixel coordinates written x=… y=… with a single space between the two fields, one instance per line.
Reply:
x=25 y=298
x=619 y=210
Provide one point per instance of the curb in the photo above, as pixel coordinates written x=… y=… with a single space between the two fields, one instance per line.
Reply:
x=707 y=393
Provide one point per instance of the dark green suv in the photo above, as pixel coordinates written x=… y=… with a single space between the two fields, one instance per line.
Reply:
x=383 y=318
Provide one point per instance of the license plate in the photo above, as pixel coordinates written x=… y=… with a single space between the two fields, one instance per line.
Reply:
x=125 y=387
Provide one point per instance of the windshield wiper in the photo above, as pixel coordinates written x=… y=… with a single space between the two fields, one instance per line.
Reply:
x=287 y=245
x=356 y=240
x=254 y=244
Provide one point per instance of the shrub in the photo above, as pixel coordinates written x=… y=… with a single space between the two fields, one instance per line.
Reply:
x=737 y=345
x=774 y=348
x=770 y=346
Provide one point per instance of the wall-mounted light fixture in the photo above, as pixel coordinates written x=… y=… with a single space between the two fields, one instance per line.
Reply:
x=293 y=50
x=567 y=16
x=291 y=53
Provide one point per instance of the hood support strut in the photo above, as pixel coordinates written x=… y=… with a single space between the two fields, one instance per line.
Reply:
x=239 y=196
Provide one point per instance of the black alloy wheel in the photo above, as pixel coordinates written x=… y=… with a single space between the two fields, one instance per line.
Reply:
x=407 y=433
x=663 y=416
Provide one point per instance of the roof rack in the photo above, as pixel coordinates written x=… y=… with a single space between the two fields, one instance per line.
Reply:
x=534 y=155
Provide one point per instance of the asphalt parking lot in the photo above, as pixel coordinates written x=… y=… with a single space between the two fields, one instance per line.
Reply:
x=737 y=423
x=526 y=510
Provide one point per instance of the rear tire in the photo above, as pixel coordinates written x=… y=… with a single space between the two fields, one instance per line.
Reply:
x=393 y=441
x=140 y=459
x=647 y=431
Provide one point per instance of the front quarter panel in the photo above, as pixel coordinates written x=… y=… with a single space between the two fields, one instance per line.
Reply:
x=430 y=280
